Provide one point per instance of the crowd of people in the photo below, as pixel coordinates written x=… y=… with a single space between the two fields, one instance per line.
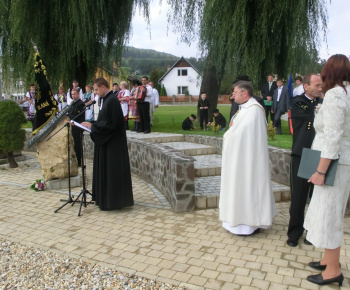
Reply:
x=247 y=203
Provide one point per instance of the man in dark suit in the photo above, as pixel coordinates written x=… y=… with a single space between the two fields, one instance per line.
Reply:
x=77 y=106
x=267 y=92
x=281 y=104
x=303 y=114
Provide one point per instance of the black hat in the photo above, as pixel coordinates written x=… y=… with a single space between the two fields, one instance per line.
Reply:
x=242 y=78
x=194 y=116
x=216 y=111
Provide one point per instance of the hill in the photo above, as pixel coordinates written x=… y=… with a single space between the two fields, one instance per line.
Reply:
x=138 y=61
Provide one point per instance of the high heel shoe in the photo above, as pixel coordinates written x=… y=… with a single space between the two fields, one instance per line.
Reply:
x=318 y=279
x=318 y=266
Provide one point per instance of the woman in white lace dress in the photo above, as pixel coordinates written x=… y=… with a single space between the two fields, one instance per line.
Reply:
x=324 y=218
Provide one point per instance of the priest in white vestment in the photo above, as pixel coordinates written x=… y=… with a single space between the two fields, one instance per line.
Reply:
x=246 y=199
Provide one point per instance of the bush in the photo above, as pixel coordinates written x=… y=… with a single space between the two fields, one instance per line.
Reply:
x=12 y=136
x=163 y=91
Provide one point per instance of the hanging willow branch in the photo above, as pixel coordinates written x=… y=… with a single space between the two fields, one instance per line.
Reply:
x=253 y=37
x=72 y=36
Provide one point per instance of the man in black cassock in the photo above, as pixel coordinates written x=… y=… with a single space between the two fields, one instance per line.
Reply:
x=77 y=106
x=111 y=184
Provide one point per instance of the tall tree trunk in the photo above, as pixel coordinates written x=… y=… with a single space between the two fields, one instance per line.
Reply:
x=12 y=161
x=81 y=72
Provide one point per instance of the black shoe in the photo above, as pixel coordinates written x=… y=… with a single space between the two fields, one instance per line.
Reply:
x=317 y=266
x=306 y=242
x=318 y=279
x=140 y=131
x=147 y=132
x=292 y=243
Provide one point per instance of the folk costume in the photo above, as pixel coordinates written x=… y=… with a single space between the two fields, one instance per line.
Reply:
x=76 y=108
x=89 y=113
x=246 y=199
x=61 y=101
x=111 y=185
x=31 y=107
x=303 y=114
x=125 y=105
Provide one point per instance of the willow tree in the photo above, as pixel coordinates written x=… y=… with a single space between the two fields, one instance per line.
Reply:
x=72 y=36
x=250 y=37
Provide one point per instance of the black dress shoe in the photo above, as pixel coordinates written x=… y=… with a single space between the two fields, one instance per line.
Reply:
x=317 y=266
x=292 y=243
x=306 y=242
x=147 y=132
x=318 y=279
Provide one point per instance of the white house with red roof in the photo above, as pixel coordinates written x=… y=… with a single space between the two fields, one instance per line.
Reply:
x=181 y=79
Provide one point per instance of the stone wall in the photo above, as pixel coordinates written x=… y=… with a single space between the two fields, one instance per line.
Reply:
x=169 y=170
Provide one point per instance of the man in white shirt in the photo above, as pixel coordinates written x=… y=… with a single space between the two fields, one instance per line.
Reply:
x=299 y=89
x=155 y=101
x=281 y=104
x=75 y=84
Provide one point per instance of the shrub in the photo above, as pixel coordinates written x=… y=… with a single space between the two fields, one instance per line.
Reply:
x=12 y=136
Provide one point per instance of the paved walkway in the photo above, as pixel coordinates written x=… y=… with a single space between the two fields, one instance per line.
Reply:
x=185 y=249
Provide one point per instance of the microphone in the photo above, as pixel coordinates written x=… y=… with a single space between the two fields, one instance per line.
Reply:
x=93 y=103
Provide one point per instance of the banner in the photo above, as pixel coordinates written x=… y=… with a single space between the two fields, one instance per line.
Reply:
x=45 y=104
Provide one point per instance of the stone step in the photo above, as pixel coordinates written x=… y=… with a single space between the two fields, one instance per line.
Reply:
x=156 y=137
x=191 y=149
x=207 y=192
x=207 y=165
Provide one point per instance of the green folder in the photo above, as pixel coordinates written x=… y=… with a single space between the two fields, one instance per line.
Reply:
x=309 y=162
x=268 y=103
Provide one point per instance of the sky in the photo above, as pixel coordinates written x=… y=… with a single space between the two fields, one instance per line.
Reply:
x=159 y=35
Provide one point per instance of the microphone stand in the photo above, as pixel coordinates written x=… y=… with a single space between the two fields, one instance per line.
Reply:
x=70 y=199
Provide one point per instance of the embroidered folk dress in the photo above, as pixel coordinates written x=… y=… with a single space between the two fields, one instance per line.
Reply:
x=124 y=104
x=133 y=113
x=31 y=108
x=246 y=199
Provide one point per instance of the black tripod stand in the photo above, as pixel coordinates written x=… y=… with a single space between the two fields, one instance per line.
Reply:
x=84 y=191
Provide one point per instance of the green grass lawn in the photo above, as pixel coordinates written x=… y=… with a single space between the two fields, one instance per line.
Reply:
x=169 y=119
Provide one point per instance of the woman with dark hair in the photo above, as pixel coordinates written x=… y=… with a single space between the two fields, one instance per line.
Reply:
x=324 y=218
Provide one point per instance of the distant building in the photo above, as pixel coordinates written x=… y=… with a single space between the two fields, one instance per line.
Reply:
x=181 y=79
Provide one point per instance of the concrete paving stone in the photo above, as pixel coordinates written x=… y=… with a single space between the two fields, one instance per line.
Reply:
x=272 y=277
x=197 y=280
x=189 y=244
x=260 y=284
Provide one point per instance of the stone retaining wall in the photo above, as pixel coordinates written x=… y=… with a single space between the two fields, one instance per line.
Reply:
x=169 y=170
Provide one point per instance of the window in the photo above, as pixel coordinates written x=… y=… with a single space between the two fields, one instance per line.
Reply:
x=182 y=90
x=182 y=72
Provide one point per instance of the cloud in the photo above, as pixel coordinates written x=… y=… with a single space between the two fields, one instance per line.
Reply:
x=159 y=36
